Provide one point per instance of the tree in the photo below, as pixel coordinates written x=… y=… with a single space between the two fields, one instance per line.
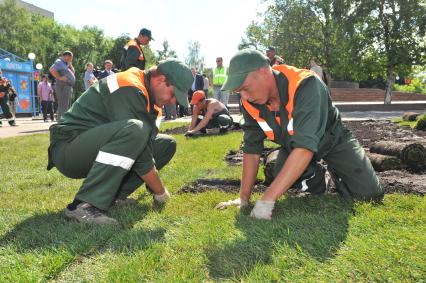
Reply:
x=166 y=52
x=395 y=28
x=194 y=58
x=116 y=51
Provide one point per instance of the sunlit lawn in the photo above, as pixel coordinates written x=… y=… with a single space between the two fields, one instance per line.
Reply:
x=311 y=239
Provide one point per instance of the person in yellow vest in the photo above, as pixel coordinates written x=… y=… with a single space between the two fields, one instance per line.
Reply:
x=292 y=107
x=219 y=76
x=133 y=55
x=110 y=137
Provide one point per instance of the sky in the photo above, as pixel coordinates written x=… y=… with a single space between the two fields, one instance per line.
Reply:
x=218 y=25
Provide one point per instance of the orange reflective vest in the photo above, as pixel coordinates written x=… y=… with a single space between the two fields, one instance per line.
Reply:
x=295 y=77
x=133 y=42
x=136 y=78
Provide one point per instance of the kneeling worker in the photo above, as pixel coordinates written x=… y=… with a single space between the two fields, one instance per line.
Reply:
x=209 y=115
x=110 y=137
x=292 y=107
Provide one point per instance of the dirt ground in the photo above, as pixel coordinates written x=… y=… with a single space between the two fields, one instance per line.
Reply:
x=367 y=132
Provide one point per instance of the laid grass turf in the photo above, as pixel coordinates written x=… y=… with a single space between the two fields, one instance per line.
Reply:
x=403 y=123
x=311 y=239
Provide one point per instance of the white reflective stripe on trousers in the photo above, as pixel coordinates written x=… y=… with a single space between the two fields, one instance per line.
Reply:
x=115 y=160
x=304 y=185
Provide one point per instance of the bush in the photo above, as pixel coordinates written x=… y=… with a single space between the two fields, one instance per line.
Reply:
x=416 y=86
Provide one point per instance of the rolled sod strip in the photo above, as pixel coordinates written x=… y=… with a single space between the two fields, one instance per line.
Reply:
x=412 y=154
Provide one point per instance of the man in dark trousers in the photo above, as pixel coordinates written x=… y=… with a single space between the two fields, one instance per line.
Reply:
x=209 y=116
x=5 y=87
x=133 y=55
x=292 y=107
x=110 y=137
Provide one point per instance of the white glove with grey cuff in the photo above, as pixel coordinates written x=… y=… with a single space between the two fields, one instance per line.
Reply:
x=263 y=209
x=163 y=198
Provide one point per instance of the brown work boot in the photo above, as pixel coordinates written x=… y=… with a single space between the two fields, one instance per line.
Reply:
x=124 y=202
x=86 y=213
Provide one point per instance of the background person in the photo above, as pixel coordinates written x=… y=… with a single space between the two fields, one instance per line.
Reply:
x=209 y=116
x=5 y=87
x=13 y=100
x=206 y=85
x=219 y=76
x=89 y=77
x=64 y=73
x=107 y=69
x=273 y=58
x=316 y=68
x=133 y=55
x=45 y=93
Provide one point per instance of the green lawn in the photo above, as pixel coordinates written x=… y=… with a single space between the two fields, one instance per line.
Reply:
x=311 y=239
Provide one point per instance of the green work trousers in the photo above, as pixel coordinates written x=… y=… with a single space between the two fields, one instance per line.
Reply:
x=222 y=121
x=349 y=167
x=111 y=158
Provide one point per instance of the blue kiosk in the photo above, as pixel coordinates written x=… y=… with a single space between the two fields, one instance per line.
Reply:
x=21 y=73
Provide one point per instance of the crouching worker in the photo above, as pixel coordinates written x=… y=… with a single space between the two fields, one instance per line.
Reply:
x=209 y=116
x=292 y=107
x=110 y=137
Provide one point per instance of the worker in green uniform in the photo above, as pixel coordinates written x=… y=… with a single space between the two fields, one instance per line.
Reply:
x=110 y=137
x=5 y=88
x=133 y=55
x=292 y=107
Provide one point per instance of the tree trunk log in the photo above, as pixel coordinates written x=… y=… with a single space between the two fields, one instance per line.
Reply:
x=389 y=83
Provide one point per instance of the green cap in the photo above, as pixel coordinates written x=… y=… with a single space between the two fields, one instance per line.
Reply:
x=244 y=62
x=180 y=76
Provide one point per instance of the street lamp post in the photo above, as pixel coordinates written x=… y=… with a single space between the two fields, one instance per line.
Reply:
x=31 y=57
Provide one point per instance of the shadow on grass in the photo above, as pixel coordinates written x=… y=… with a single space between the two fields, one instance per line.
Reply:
x=311 y=226
x=51 y=232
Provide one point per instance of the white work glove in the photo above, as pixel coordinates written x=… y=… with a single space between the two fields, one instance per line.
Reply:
x=163 y=198
x=263 y=209
x=236 y=202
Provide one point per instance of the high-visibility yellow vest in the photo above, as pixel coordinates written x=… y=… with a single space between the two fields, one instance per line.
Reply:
x=219 y=76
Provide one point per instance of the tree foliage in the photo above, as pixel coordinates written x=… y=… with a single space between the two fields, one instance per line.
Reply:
x=166 y=52
x=353 y=39
x=194 y=57
x=22 y=32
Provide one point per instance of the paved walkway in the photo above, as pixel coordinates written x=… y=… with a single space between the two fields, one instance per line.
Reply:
x=28 y=126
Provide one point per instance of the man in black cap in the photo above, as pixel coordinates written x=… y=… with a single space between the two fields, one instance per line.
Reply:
x=272 y=57
x=133 y=55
